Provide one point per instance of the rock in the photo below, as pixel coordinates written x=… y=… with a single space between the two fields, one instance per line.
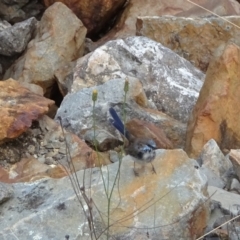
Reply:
x=64 y=76
x=172 y=198
x=6 y=192
x=235 y=186
x=139 y=129
x=182 y=35
x=234 y=157
x=19 y=10
x=103 y=139
x=4 y=25
x=28 y=170
x=41 y=152
x=19 y=107
x=174 y=130
x=96 y=15
x=59 y=40
x=76 y=109
x=228 y=208
x=78 y=105
x=216 y=112
x=212 y=178
x=54 y=145
x=126 y=25
x=214 y=164
x=222 y=8
x=229 y=201
x=14 y=39
x=114 y=156
x=170 y=82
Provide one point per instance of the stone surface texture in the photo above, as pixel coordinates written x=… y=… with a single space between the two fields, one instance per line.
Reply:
x=59 y=40
x=76 y=110
x=41 y=152
x=19 y=10
x=234 y=156
x=6 y=192
x=195 y=39
x=14 y=39
x=19 y=107
x=214 y=164
x=176 y=194
x=170 y=82
x=126 y=25
x=213 y=158
x=95 y=14
x=216 y=113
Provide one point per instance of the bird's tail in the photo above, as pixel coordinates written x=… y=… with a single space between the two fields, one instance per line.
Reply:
x=117 y=123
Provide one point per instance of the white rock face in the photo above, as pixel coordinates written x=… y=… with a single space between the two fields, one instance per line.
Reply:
x=169 y=81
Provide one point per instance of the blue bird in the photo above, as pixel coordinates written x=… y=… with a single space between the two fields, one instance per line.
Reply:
x=142 y=150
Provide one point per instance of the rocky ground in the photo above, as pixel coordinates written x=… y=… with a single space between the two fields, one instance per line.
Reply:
x=181 y=61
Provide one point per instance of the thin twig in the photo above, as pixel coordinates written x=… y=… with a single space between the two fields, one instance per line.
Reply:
x=218 y=227
x=223 y=18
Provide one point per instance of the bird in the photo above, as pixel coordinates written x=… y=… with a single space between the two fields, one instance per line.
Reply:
x=142 y=150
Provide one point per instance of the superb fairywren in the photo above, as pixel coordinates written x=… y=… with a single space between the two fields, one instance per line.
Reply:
x=142 y=150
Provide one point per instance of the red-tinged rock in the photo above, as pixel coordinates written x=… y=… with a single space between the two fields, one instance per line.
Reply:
x=216 y=113
x=19 y=107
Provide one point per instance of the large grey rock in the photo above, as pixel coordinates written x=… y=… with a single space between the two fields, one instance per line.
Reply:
x=76 y=110
x=170 y=82
x=14 y=39
x=169 y=204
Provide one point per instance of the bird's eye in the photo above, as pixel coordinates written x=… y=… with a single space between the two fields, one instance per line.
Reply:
x=140 y=154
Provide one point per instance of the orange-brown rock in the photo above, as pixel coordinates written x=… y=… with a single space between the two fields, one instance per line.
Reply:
x=195 y=39
x=126 y=26
x=30 y=169
x=147 y=130
x=216 y=113
x=95 y=14
x=19 y=107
